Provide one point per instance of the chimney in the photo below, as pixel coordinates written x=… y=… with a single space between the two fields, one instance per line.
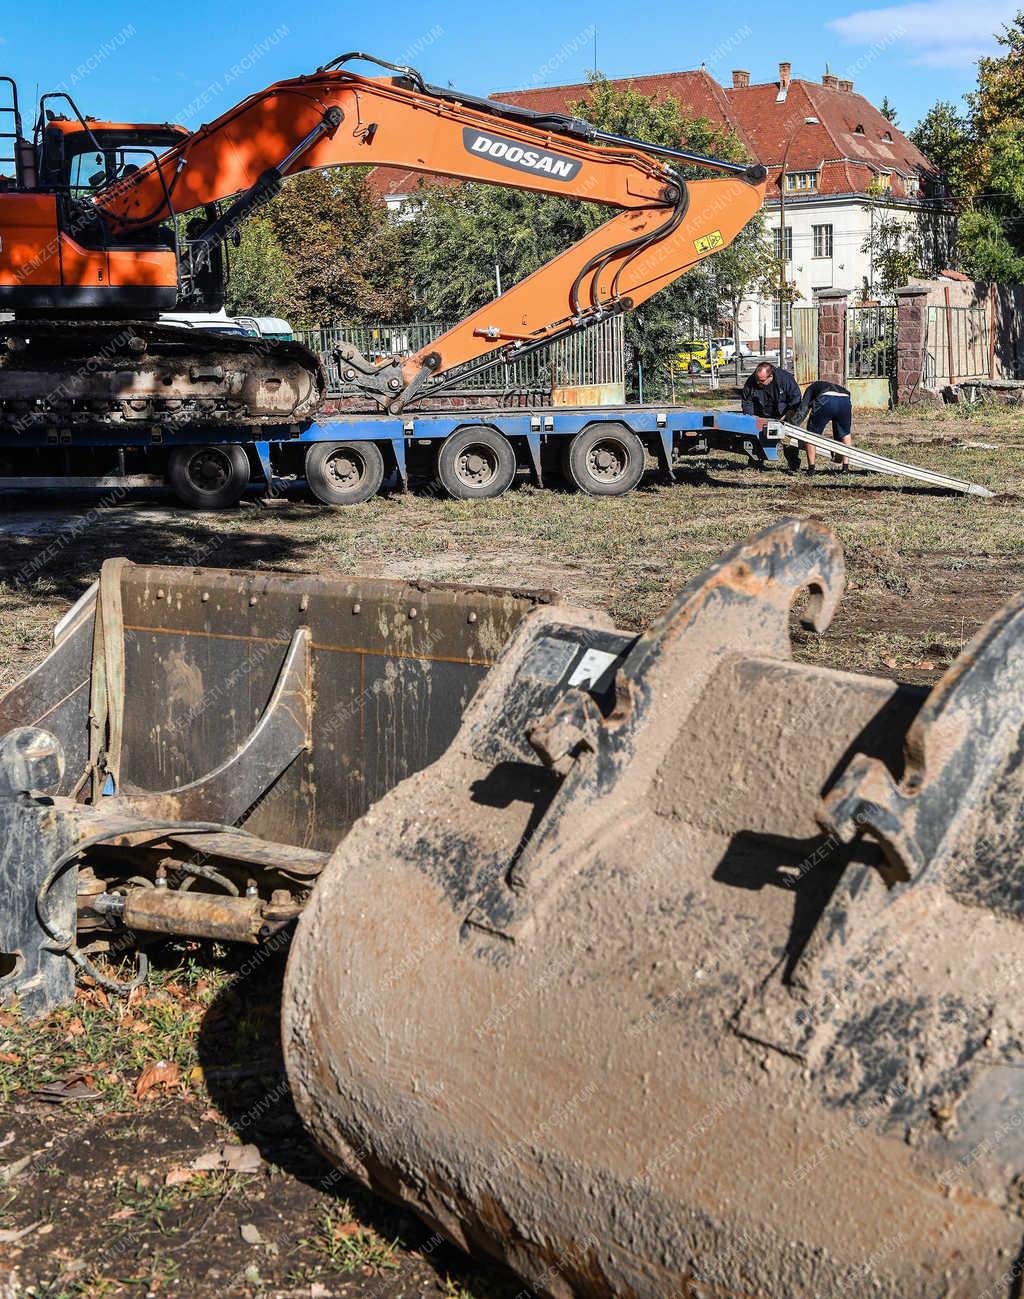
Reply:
x=784 y=70
x=740 y=79
x=830 y=80
x=846 y=86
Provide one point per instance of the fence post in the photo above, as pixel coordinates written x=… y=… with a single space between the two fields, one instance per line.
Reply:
x=832 y=334
x=911 y=340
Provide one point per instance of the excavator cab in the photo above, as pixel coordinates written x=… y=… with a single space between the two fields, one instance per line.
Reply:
x=60 y=253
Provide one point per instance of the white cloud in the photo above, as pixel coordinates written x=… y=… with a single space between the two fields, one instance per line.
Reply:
x=935 y=33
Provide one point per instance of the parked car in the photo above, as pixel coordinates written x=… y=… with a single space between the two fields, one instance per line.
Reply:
x=728 y=348
x=697 y=356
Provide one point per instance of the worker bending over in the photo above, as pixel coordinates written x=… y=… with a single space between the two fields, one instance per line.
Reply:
x=823 y=402
x=773 y=393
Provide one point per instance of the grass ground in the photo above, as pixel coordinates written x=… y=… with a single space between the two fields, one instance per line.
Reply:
x=105 y=1182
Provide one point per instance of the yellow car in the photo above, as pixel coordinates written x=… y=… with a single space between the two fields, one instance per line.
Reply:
x=697 y=356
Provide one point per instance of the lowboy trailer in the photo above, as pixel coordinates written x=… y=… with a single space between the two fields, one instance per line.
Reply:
x=346 y=459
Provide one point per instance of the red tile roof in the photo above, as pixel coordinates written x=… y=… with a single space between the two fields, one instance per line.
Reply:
x=698 y=92
x=847 y=159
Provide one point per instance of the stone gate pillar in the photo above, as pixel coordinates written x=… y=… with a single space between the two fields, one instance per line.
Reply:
x=911 y=340
x=831 y=304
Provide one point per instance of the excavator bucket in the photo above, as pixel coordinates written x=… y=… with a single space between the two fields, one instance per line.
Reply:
x=689 y=970
x=655 y=966
x=271 y=709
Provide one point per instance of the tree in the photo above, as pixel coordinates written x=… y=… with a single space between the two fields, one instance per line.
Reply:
x=458 y=234
x=980 y=154
x=947 y=140
x=344 y=247
x=889 y=112
x=895 y=247
x=261 y=283
x=984 y=252
x=325 y=250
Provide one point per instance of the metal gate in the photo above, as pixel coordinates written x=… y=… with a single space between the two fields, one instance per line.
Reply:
x=805 y=344
x=594 y=357
x=958 y=344
x=871 y=342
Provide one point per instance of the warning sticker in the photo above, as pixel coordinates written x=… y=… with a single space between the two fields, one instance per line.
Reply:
x=708 y=243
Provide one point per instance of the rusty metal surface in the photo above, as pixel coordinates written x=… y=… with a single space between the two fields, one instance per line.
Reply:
x=563 y=992
x=199 y=915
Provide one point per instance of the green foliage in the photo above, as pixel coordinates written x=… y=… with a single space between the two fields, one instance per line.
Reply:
x=984 y=252
x=946 y=138
x=326 y=249
x=981 y=154
x=262 y=281
x=888 y=111
x=896 y=250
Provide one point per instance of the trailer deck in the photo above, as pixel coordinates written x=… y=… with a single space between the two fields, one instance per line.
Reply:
x=345 y=458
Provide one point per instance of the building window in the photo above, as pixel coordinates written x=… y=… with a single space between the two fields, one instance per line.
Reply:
x=789 y=243
x=801 y=180
x=775 y=315
x=822 y=241
x=913 y=186
x=884 y=180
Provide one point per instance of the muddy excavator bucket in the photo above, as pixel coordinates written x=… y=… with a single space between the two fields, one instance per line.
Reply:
x=655 y=966
x=689 y=970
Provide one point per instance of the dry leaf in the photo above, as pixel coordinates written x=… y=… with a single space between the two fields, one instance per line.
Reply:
x=178 y=1176
x=251 y=1234
x=7 y=1237
x=926 y=665
x=121 y=1214
x=889 y=662
x=140 y=1026
x=165 y=1073
x=75 y=1028
x=8 y=1057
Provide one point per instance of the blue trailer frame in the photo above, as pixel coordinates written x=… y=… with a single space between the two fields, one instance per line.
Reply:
x=668 y=432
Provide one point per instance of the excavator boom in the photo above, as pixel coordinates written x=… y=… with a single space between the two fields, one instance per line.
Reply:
x=335 y=117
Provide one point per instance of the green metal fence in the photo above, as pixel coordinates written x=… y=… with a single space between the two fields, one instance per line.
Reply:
x=594 y=357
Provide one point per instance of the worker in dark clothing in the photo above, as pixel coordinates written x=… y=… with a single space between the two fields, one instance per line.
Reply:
x=772 y=393
x=821 y=404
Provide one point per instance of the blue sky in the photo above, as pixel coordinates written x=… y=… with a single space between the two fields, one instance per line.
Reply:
x=190 y=61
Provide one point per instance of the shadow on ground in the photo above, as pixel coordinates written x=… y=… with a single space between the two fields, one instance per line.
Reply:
x=243 y=1068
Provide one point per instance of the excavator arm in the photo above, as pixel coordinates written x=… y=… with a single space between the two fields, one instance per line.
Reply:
x=335 y=117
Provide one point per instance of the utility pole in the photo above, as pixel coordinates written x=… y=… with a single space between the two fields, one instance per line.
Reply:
x=808 y=121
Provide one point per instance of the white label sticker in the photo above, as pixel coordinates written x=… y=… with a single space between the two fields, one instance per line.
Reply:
x=592 y=667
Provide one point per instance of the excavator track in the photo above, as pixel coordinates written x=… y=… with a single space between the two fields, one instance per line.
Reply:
x=112 y=373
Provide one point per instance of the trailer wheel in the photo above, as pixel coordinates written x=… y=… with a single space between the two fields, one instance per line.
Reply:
x=475 y=463
x=344 y=473
x=604 y=460
x=209 y=477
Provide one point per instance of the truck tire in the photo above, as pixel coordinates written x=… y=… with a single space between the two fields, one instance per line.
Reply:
x=209 y=477
x=605 y=459
x=475 y=464
x=344 y=473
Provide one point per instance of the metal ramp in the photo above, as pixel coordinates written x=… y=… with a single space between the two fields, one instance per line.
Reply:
x=790 y=435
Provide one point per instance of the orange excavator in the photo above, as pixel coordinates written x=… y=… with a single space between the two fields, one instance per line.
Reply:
x=105 y=225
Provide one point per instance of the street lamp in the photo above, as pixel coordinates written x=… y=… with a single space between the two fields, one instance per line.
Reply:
x=808 y=121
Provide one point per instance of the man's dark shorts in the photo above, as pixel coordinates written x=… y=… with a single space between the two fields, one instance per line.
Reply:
x=837 y=409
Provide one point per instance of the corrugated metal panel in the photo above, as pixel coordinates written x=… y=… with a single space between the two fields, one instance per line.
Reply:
x=805 y=344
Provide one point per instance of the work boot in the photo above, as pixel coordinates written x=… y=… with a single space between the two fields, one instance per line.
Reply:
x=811 y=469
x=792 y=458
